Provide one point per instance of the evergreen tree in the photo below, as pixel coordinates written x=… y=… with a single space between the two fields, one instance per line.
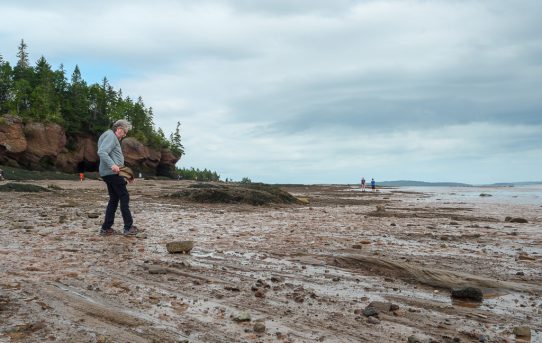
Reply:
x=45 y=104
x=22 y=56
x=6 y=85
x=175 y=140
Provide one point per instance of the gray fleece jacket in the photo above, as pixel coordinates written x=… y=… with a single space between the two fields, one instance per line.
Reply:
x=110 y=152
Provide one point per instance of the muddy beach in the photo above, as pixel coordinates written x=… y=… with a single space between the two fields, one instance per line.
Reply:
x=344 y=266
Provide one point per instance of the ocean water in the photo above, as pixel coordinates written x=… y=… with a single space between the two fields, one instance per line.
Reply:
x=525 y=195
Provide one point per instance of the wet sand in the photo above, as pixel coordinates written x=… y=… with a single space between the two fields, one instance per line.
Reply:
x=302 y=273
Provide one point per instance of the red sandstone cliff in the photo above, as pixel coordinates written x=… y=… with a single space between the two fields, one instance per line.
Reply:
x=39 y=146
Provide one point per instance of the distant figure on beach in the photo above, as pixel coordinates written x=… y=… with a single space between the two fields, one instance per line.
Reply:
x=81 y=176
x=111 y=161
x=373 y=184
x=362 y=184
x=1 y=175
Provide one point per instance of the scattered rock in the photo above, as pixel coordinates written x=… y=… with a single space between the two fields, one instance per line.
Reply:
x=243 y=317
x=373 y=320
x=485 y=195
x=470 y=293
x=277 y=279
x=93 y=215
x=522 y=331
x=370 y=312
x=524 y=257
x=356 y=246
x=381 y=306
x=232 y=288
x=416 y=339
x=157 y=270
x=259 y=327
x=516 y=220
x=180 y=247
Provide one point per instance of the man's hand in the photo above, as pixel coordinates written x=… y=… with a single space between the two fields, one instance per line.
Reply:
x=115 y=168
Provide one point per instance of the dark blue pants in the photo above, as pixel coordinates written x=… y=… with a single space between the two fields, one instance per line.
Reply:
x=116 y=186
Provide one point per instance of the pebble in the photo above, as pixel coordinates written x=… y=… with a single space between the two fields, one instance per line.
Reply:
x=373 y=320
x=259 y=327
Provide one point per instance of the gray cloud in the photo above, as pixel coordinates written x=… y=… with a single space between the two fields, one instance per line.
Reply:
x=316 y=91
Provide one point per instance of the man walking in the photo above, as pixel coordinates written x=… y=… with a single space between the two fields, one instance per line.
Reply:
x=111 y=160
x=362 y=184
x=373 y=185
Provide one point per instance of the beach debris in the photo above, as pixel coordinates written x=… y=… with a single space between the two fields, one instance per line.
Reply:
x=516 y=220
x=485 y=195
x=471 y=293
x=93 y=215
x=183 y=247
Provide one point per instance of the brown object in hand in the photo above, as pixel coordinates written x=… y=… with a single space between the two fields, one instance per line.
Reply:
x=127 y=173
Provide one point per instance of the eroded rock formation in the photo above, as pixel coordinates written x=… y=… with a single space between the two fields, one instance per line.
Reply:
x=45 y=146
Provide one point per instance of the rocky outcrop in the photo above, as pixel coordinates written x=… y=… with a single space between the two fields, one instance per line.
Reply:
x=12 y=139
x=45 y=146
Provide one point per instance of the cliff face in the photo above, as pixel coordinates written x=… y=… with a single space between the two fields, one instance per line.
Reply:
x=39 y=146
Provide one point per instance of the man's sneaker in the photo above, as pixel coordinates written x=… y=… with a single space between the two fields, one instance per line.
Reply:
x=131 y=232
x=107 y=232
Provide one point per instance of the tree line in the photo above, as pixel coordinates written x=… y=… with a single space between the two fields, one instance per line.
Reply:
x=39 y=93
x=197 y=174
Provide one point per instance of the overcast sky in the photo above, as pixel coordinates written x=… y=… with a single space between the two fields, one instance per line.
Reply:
x=315 y=91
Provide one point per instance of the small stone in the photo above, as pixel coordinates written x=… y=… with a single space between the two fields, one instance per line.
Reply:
x=259 y=327
x=93 y=215
x=179 y=247
x=277 y=279
x=356 y=246
x=370 y=312
x=373 y=320
x=157 y=270
x=522 y=331
x=243 y=317
x=525 y=257
x=415 y=339
x=471 y=293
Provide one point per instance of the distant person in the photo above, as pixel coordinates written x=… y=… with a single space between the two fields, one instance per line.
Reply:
x=81 y=176
x=362 y=184
x=1 y=175
x=373 y=184
x=111 y=160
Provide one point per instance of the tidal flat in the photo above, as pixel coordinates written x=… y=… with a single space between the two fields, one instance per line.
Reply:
x=340 y=266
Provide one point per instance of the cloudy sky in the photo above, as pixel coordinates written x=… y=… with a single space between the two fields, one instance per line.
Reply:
x=315 y=91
